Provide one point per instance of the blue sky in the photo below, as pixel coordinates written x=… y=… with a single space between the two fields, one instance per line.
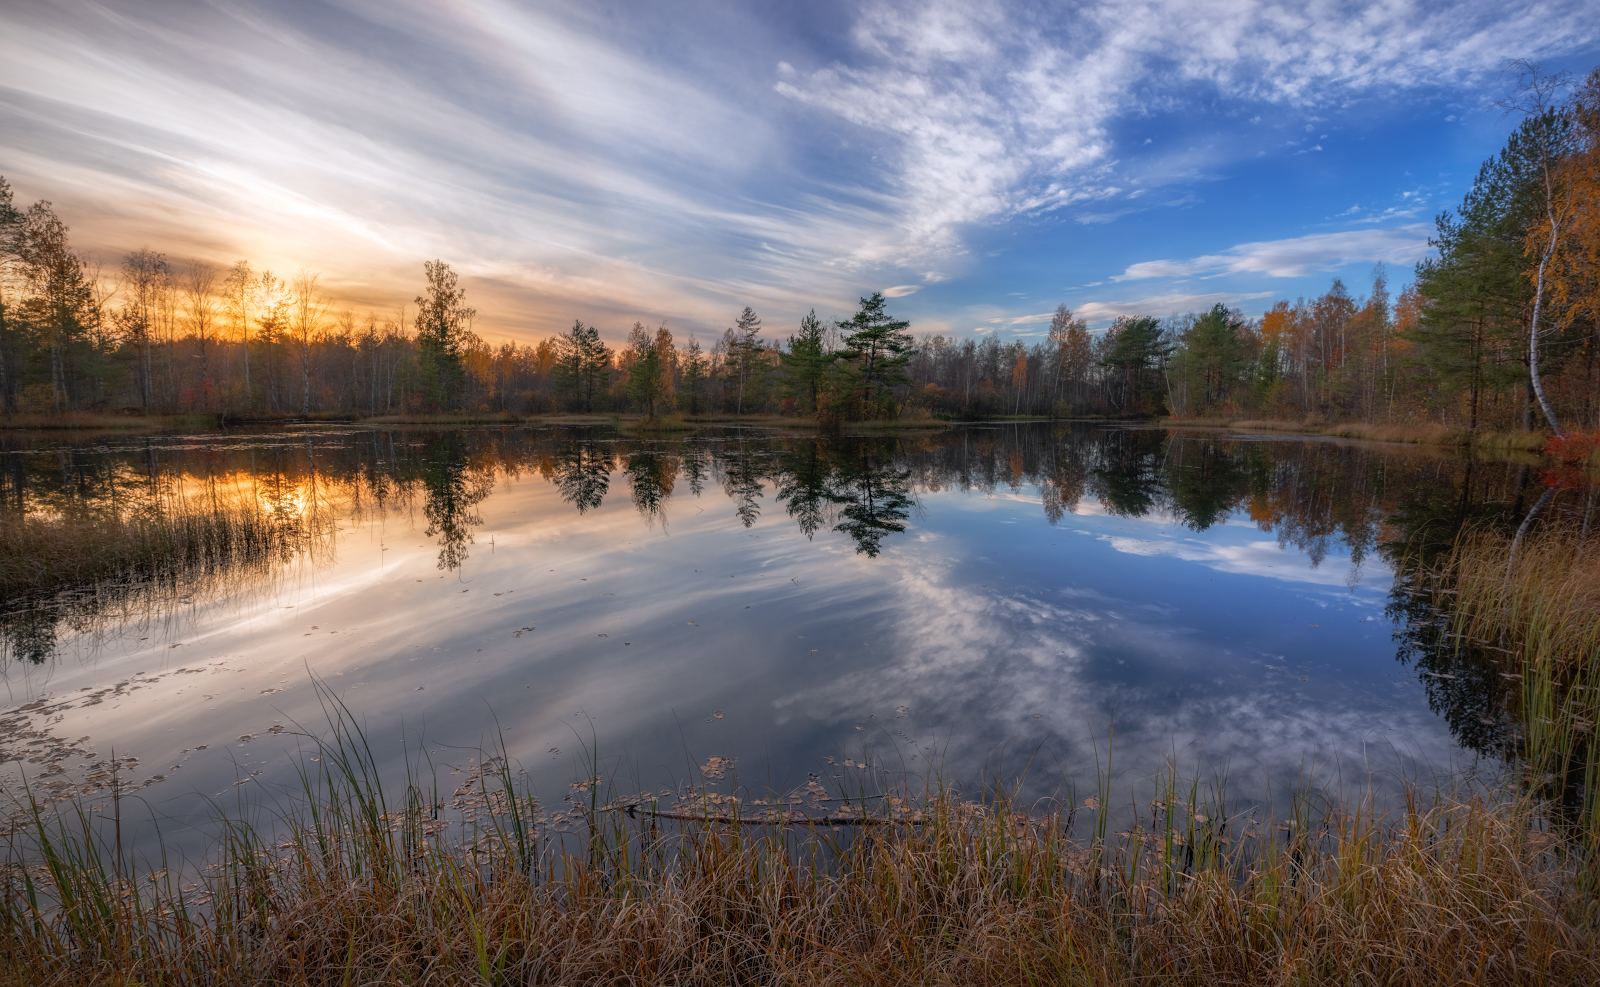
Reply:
x=981 y=161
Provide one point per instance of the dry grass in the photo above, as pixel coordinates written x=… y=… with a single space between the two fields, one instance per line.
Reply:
x=1536 y=605
x=356 y=891
x=88 y=420
x=40 y=554
x=1543 y=604
x=1411 y=434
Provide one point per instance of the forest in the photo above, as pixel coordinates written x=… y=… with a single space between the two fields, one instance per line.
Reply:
x=1499 y=330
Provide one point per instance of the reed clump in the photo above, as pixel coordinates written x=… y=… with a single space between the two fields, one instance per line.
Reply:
x=1532 y=602
x=1406 y=432
x=1539 y=598
x=356 y=889
x=42 y=553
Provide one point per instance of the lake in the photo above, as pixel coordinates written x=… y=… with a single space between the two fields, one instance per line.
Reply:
x=975 y=603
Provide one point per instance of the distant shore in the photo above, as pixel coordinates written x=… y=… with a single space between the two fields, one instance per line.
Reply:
x=1412 y=434
x=1438 y=435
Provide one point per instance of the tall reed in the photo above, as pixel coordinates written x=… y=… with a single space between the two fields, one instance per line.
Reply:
x=357 y=887
x=41 y=554
x=1536 y=605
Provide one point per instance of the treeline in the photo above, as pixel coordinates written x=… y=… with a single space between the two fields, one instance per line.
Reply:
x=1500 y=330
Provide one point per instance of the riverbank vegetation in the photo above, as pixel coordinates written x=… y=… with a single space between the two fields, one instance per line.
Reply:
x=350 y=884
x=1500 y=331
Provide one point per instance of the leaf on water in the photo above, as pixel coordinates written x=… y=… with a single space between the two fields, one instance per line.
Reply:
x=717 y=714
x=1092 y=802
x=275 y=728
x=603 y=635
x=717 y=766
x=1037 y=715
x=245 y=738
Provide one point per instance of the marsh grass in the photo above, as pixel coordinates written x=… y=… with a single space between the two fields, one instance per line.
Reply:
x=1536 y=606
x=1412 y=434
x=40 y=554
x=352 y=886
x=94 y=421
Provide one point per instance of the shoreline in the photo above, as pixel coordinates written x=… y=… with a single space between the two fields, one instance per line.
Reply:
x=1440 y=435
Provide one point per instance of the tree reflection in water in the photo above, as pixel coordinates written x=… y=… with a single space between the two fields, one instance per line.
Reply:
x=651 y=475
x=582 y=472
x=454 y=488
x=1405 y=506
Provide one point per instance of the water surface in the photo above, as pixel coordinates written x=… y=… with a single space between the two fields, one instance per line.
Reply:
x=971 y=601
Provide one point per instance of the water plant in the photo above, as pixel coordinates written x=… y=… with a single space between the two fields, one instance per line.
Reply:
x=353 y=886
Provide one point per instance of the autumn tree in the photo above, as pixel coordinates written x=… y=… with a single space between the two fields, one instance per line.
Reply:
x=1071 y=338
x=650 y=358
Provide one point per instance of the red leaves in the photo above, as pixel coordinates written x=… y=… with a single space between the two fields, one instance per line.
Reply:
x=1571 y=454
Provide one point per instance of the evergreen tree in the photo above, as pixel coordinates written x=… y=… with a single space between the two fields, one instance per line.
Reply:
x=878 y=347
x=11 y=329
x=444 y=326
x=696 y=369
x=742 y=347
x=1471 y=333
x=649 y=375
x=582 y=364
x=1213 y=353
x=806 y=364
x=1139 y=350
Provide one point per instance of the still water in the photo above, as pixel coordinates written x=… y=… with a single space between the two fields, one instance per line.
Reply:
x=966 y=603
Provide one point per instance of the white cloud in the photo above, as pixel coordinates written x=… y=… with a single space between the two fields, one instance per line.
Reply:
x=1297 y=256
x=1161 y=305
x=557 y=158
x=991 y=109
x=901 y=290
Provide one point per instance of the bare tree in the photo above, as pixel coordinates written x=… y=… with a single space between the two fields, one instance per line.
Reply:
x=200 y=311
x=239 y=288
x=306 y=308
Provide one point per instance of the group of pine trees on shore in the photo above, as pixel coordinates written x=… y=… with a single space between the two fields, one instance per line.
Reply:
x=1501 y=329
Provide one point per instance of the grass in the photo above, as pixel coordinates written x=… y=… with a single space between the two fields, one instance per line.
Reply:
x=94 y=421
x=354 y=887
x=1413 y=434
x=41 y=554
x=1536 y=605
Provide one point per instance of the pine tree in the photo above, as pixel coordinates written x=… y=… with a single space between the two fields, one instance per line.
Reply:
x=742 y=346
x=806 y=364
x=582 y=364
x=444 y=327
x=879 y=348
x=695 y=371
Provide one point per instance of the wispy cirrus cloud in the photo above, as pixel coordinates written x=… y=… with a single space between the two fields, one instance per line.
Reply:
x=993 y=109
x=615 y=163
x=1296 y=256
x=1163 y=305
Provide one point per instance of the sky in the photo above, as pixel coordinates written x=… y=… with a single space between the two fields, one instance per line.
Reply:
x=671 y=162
